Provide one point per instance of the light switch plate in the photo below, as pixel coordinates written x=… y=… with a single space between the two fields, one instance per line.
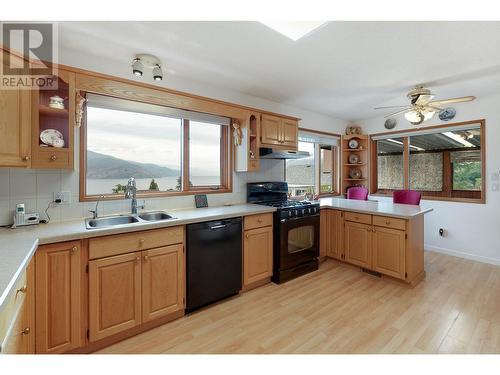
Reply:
x=64 y=196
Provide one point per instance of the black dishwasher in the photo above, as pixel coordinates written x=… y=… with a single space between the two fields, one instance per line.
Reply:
x=213 y=261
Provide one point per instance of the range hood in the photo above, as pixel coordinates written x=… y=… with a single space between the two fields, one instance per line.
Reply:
x=270 y=153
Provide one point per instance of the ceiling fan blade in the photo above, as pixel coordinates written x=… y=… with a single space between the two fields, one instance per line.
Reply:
x=424 y=99
x=398 y=112
x=392 y=106
x=453 y=100
x=434 y=108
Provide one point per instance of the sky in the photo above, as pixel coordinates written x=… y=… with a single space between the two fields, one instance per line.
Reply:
x=153 y=139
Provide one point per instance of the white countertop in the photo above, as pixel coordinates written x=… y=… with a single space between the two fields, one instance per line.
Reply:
x=17 y=246
x=404 y=211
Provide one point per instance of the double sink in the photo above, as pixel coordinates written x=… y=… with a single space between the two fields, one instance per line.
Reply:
x=111 y=221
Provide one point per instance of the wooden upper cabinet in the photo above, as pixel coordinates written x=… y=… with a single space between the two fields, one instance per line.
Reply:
x=114 y=295
x=59 y=295
x=290 y=133
x=162 y=281
x=271 y=130
x=389 y=251
x=257 y=255
x=15 y=127
x=62 y=120
x=358 y=244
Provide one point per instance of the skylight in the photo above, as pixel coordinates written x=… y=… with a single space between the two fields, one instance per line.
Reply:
x=294 y=29
x=458 y=138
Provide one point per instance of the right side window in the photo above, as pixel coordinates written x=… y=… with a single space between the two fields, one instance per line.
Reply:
x=442 y=162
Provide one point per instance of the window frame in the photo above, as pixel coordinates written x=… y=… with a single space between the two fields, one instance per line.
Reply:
x=226 y=175
x=317 y=163
x=447 y=167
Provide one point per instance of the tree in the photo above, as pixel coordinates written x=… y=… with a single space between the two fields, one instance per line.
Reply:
x=153 y=185
x=179 y=184
x=119 y=188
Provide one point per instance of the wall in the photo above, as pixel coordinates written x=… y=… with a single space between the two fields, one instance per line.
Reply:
x=472 y=229
x=35 y=187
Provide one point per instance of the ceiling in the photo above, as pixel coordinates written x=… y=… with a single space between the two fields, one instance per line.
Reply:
x=342 y=69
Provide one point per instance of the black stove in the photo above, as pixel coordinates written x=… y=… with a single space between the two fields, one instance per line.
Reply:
x=296 y=229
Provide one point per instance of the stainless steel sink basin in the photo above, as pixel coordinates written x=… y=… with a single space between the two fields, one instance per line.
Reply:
x=155 y=216
x=110 y=221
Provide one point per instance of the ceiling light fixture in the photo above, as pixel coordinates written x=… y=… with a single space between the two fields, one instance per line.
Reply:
x=458 y=139
x=142 y=61
x=294 y=29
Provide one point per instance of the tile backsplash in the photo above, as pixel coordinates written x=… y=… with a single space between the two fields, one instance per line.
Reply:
x=35 y=188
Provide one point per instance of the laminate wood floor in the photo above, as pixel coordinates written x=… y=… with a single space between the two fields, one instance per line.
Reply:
x=339 y=309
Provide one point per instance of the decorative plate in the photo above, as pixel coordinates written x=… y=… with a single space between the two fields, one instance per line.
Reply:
x=355 y=173
x=447 y=114
x=390 y=123
x=52 y=137
x=353 y=159
x=353 y=144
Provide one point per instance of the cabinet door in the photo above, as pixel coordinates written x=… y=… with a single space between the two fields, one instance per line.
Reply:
x=389 y=251
x=358 y=244
x=290 y=135
x=271 y=130
x=114 y=295
x=325 y=229
x=58 y=303
x=335 y=248
x=15 y=128
x=162 y=281
x=257 y=255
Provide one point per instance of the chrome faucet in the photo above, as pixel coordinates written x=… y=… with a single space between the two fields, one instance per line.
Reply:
x=130 y=193
x=95 y=213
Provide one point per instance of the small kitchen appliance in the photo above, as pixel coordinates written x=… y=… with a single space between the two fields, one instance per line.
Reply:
x=22 y=219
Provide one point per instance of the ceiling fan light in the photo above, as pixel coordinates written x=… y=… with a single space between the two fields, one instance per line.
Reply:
x=428 y=115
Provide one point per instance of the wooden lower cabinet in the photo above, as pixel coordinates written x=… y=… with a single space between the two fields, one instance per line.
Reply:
x=257 y=255
x=59 y=297
x=389 y=251
x=114 y=295
x=358 y=244
x=162 y=281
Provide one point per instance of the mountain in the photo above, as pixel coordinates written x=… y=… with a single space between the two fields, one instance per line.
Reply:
x=100 y=166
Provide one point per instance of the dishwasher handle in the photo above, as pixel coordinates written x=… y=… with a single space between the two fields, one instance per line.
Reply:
x=220 y=226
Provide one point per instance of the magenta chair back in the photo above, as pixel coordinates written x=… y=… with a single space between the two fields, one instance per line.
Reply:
x=406 y=197
x=358 y=193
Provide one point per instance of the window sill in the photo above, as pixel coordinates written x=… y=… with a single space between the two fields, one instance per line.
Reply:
x=444 y=199
x=161 y=194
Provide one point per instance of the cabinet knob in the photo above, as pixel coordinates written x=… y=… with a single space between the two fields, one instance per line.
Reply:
x=387 y=222
x=141 y=241
x=145 y=257
x=26 y=331
x=74 y=249
x=53 y=158
x=246 y=235
x=26 y=158
x=138 y=259
x=23 y=289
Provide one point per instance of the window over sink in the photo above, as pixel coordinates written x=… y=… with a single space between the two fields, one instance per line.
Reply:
x=168 y=151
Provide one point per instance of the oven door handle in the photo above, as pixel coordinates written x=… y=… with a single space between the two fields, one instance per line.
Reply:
x=298 y=218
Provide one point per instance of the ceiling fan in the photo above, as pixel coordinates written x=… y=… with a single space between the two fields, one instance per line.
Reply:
x=422 y=107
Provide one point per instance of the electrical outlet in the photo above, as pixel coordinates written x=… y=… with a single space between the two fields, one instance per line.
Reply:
x=64 y=196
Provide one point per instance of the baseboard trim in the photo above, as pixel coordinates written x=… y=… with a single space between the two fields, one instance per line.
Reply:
x=461 y=254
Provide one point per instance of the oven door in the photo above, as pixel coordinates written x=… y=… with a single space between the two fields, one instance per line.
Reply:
x=298 y=241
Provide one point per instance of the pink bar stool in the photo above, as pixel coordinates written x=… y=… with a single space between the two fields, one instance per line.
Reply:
x=406 y=197
x=358 y=193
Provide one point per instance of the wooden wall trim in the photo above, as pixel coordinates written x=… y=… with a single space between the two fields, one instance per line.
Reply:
x=320 y=132
x=481 y=122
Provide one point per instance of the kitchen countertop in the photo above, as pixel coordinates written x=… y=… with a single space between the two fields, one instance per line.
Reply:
x=17 y=246
x=403 y=211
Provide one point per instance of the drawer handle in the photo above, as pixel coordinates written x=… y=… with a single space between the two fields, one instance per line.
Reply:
x=26 y=331
x=23 y=289
x=387 y=222
x=141 y=241
x=259 y=220
x=53 y=158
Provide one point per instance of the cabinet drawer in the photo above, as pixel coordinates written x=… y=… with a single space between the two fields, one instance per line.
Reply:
x=389 y=222
x=15 y=341
x=52 y=158
x=12 y=305
x=358 y=218
x=258 y=221
x=130 y=242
